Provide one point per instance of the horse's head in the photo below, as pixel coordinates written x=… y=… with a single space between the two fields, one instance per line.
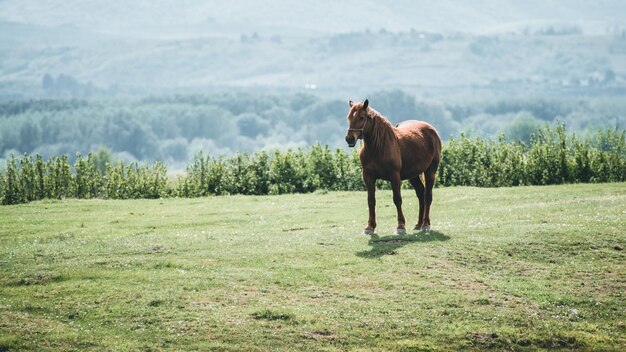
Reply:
x=357 y=116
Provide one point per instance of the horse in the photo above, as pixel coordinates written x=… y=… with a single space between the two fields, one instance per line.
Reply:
x=403 y=152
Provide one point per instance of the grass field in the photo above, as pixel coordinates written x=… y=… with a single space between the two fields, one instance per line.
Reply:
x=525 y=268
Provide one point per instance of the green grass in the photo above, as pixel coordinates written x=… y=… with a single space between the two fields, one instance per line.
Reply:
x=525 y=268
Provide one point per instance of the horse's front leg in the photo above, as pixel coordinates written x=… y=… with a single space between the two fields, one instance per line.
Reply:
x=396 y=183
x=370 y=184
x=429 y=177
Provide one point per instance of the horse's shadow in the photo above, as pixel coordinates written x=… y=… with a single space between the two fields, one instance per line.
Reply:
x=387 y=245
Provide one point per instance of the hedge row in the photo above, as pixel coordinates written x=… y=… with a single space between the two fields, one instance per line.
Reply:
x=553 y=157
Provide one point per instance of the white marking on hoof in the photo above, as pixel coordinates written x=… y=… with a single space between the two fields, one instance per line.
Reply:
x=426 y=228
x=400 y=232
x=368 y=232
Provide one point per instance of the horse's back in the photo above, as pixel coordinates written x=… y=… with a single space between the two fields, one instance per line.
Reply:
x=420 y=146
x=415 y=124
x=421 y=130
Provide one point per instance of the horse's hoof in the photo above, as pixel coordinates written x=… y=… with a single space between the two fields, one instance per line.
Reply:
x=368 y=232
x=400 y=232
x=426 y=228
x=417 y=228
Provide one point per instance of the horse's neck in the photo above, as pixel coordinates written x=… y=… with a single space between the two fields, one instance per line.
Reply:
x=379 y=136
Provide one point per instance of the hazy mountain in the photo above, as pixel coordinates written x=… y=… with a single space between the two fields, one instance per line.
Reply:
x=325 y=16
x=79 y=48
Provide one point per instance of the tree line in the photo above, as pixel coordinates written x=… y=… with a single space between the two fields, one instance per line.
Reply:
x=553 y=156
x=173 y=128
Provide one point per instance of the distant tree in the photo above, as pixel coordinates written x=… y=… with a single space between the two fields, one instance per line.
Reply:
x=523 y=127
x=324 y=110
x=30 y=136
x=301 y=101
x=175 y=149
x=68 y=84
x=101 y=158
x=251 y=125
x=47 y=83
x=395 y=105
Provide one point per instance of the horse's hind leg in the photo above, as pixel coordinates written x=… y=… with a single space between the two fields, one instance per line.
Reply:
x=429 y=177
x=416 y=182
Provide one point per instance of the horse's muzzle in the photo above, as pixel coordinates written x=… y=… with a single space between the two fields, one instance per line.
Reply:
x=351 y=141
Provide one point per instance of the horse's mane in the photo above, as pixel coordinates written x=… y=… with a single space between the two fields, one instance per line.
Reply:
x=380 y=131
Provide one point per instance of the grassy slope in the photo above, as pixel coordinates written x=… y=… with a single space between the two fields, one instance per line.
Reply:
x=525 y=268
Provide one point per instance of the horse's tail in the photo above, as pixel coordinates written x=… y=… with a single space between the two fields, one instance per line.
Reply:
x=437 y=146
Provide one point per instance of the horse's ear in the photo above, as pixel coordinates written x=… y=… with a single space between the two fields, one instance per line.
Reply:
x=365 y=104
x=351 y=103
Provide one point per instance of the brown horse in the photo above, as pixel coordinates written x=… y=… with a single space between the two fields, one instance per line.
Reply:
x=395 y=154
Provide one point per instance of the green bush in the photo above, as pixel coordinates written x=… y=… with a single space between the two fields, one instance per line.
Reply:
x=552 y=157
x=35 y=179
x=135 y=180
x=12 y=192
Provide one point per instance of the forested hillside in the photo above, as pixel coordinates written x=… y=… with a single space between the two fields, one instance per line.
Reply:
x=173 y=128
